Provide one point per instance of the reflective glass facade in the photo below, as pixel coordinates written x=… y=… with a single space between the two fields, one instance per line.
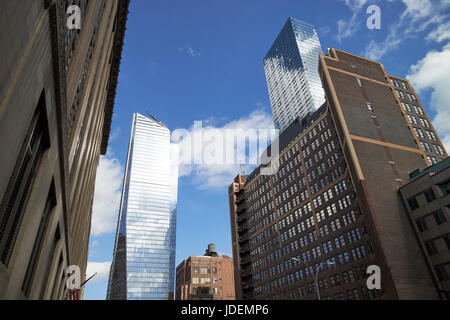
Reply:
x=291 y=68
x=144 y=254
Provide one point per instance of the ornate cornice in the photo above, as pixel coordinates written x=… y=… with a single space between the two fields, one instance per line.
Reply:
x=121 y=16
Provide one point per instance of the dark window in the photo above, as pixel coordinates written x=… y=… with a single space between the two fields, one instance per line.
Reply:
x=439 y=217
x=441 y=273
x=114 y=24
x=349 y=295
x=447 y=241
x=56 y=239
x=429 y=195
x=38 y=242
x=421 y=225
x=15 y=200
x=445 y=187
x=431 y=248
x=413 y=205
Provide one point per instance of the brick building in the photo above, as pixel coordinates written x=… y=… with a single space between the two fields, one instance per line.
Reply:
x=208 y=277
x=427 y=201
x=333 y=206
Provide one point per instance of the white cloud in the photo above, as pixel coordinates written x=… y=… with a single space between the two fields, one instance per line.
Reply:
x=216 y=175
x=432 y=72
x=441 y=33
x=107 y=194
x=190 y=51
x=115 y=134
x=92 y=250
x=417 y=16
x=348 y=27
x=101 y=268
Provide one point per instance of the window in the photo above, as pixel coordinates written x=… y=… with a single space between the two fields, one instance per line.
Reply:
x=204 y=270
x=195 y=280
x=426 y=146
x=431 y=248
x=441 y=273
x=429 y=195
x=406 y=107
x=39 y=241
x=422 y=225
x=413 y=205
x=412 y=119
x=419 y=132
x=439 y=217
x=395 y=82
x=439 y=150
x=358 y=80
x=432 y=160
x=400 y=94
x=447 y=241
x=355 y=294
x=14 y=202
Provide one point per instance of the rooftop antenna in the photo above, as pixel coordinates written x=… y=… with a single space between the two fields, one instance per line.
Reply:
x=242 y=169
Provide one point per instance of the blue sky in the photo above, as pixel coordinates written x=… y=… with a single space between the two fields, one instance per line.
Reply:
x=186 y=61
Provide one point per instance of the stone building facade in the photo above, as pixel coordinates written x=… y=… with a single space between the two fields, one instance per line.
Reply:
x=57 y=92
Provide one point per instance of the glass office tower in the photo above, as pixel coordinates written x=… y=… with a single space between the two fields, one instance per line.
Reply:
x=291 y=68
x=144 y=252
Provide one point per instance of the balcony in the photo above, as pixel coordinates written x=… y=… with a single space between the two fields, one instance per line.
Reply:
x=243 y=227
x=244 y=249
x=240 y=208
x=241 y=218
x=245 y=260
x=247 y=285
x=240 y=197
x=243 y=238
x=246 y=274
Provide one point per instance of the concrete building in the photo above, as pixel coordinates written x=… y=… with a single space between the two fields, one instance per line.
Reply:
x=57 y=91
x=333 y=205
x=143 y=267
x=427 y=201
x=291 y=73
x=208 y=277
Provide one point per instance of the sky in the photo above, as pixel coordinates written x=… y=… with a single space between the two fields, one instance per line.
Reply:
x=202 y=60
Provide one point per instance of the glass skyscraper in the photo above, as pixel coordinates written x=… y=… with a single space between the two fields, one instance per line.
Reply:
x=291 y=68
x=144 y=254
